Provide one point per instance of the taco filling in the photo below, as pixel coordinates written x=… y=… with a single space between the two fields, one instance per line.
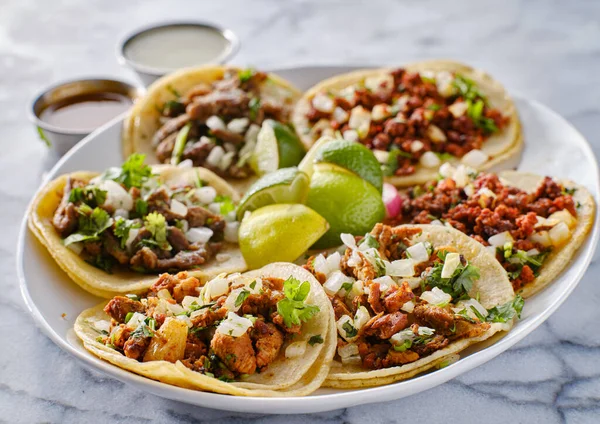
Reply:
x=127 y=218
x=520 y=228
x=232 y=327
x=410 y=119
x=216 y=125
x=396 y=301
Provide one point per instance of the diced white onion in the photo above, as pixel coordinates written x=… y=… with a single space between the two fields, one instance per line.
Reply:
x=418 y=253
x=437 y=222
x=226 y=160
x=475 y=158
x=446 y=170
x=532 y=252
x=461 y=176
x=186 y=163
x=133 y=233
x=542 y=237
x=436 y=296
x=469 y=190
x=350 y=135
x=122 y=213
x=102 y=325
x=320 y=264
x=436 y=134
x=348 y=240
x=76 y=247
x=430 y=160
x=500 y=239
x=333 y=262
x=295 y=349
x=385 y=283
x=349 y=354
x=231 y=299
x=354 y=260
x=251 y=134
x=214 y=208
x=323 y=103
x=400 y=268
x=164 y=294
x=340 y=327
x=408 y=306
x=199 y=235
x=185 y=319
x=335 y=282
x=116 y=196
x=216 y=287
x=401 y=336
x=135 y=320
x=205 y=195
x=175 y=308
x=178 y=208
x=357 y=289
x=238 y=125
x=443 y=82
x=230 y=234
x=416 y=145
x=340 y=115
x=360 y=120
x=215 y=156
x=466 y=304
x=234 y=325
x=383 y=82
x=215 y=123
x=188 y=300
x=564 y=216
x=450 y=264
x=380 y=112
x=382 y=156
x=559 y=234
x=361 y=317
x=491 y=250
x=458 y=109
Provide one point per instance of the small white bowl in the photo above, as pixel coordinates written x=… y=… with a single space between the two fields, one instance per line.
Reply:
x=149 y=74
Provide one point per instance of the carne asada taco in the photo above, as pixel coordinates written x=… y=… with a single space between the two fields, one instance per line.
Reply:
x=115 y=232
x=210 y=115
x=406 y=298
x=416 y=117
x=269 y=332
x=532 y=224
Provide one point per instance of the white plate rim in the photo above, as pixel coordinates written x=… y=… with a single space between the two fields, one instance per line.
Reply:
x=313 y=403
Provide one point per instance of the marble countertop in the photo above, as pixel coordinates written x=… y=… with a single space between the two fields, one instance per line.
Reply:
x=545 y=50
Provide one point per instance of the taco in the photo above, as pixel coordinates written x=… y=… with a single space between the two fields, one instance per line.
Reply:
x=416 y=117
x=408 y=298
x=115 y=232
x=212 y=115
x=532 y=224
x=269 y=332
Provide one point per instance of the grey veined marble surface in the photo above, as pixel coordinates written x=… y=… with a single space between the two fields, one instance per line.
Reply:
x=547 y=50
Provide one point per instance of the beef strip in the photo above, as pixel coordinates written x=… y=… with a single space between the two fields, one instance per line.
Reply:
x=171 y=126
x=227 y=104
x=119 y=306
x=66 y=217
x=267 y=342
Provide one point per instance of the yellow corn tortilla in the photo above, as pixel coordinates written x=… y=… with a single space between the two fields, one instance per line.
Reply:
x=558 y=259
x=493 y=288
x=143 y=121
x=503 y=148
x=97 y=281
x=284 y=377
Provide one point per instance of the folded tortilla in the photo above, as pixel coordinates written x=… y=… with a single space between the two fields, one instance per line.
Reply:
x=97 y=281
x=503 y=148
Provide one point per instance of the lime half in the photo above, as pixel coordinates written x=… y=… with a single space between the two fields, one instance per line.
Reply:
x=279 y=233
x=307 y=164
x=286 y=185
x=354 y=157
x=277 y=146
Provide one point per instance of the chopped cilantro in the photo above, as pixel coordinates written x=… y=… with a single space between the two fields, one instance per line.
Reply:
x=347 y=286
x=91 y=224
x=91 y=196
x=370 y=241
x=173 y=91
x=245 y=74
x=406 y=344
x=434 y=107
x=252 y=285
x=350 y=330
x=390 y=167
x=458 y=285
x=569 y=191
x=141 y=208
x=173 y=108
x=507 y=311
x=128 y=317
x=122 y=229
x=227 y=204
x=467 y=88
x=254 y=106
x=444 y=156
x=133 y=172
x=241 y=297
x=104 y=263
x=316 y=339
x=43 y=137
x=157 y=225
x=145 y=329
x=475 y=112
x=292 y=308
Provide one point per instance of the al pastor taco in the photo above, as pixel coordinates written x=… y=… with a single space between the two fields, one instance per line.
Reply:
x=532 y=224
x=212 y=115
x=115 y=232
x=269 y=332
x=409 y=298
x=416 y=117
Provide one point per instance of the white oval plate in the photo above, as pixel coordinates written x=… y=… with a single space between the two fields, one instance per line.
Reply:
x=554 y=148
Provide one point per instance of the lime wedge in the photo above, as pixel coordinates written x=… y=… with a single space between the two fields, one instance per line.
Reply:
x=307 y=164
x=354 y=157
x=348 y=203
x=286 y=185
x=279 y=233
x=277 y=146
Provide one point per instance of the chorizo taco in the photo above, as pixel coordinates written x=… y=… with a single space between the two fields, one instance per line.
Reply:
x=416 y=117
x=212 y=115
x=115 y=232
x=532 y=224
x=269 y=332
x=410 y=298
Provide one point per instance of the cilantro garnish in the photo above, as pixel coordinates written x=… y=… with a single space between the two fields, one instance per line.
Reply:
x=370 y=241
x=316 y=339
x=157 y=225
x=458 y=285
x=43 y=137
x=122 y=229
x=145 y=329
x=91 y=196
x=390 y=167
x=254 y=106
x=507 y=311
x=141 y=207
x=226 y=204
x=467 y=88
x=133 y=173
x=350 y=330
x=91 y=224
x=569 y=191
x=475 y=112
x=434 y=107
x=406 y=344
x=104 y=263
x=292 y=308
x=241 y=297
x=245 y=74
